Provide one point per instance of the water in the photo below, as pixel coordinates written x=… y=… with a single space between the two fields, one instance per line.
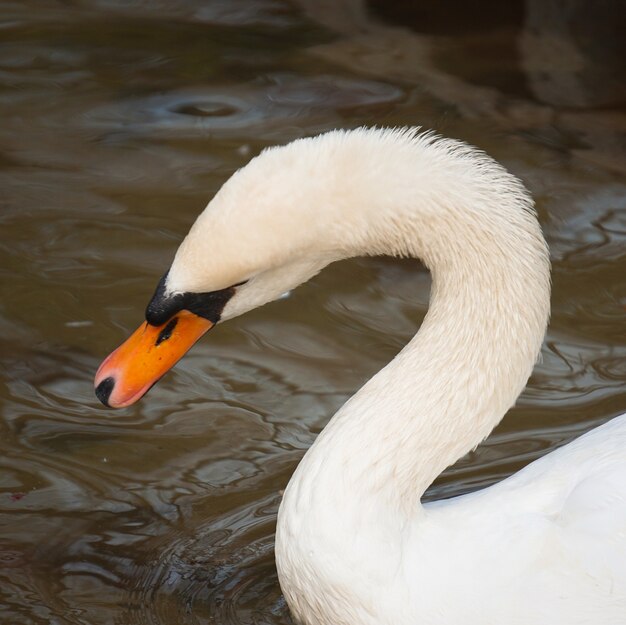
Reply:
x=119 y=122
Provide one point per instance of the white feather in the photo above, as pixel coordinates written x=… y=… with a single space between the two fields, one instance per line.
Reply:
x=354 y=543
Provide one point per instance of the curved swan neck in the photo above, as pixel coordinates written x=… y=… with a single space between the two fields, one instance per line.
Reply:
x=357 y=491
x=473 y=225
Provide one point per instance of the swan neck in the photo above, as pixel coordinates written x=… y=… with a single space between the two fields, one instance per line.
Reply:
x=358 y=490
x=474 y=226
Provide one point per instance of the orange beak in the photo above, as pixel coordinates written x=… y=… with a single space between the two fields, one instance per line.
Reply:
x=150 y=352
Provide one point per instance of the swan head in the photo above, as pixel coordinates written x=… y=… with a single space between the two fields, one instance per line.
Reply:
x=294 y=209
x=265 y=232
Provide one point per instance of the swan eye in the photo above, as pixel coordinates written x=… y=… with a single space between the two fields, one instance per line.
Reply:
x=163 y=308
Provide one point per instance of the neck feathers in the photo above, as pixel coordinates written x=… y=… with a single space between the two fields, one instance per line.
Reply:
x=474 y=226
x=357 y=491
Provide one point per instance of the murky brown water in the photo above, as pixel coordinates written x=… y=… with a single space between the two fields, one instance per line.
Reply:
x=119 y=121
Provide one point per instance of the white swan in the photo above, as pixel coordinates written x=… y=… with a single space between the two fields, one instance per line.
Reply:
x=354 y=543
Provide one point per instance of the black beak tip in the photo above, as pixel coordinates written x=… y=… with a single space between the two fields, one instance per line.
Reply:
x=104 y=390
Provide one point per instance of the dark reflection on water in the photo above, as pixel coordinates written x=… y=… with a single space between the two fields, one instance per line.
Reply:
x=120 y=120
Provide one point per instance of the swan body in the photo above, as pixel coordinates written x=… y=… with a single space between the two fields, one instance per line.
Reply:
x=354 y=544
